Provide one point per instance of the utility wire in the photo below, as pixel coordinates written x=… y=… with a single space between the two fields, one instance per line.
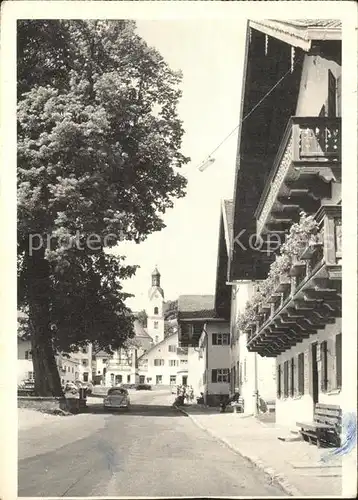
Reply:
x=248 y=114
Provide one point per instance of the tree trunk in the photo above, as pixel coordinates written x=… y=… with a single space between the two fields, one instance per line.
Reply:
x=47 y=379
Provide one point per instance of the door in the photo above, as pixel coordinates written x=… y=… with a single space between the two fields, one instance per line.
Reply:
x=185 y=380
x=314 y=373
x=141 y=379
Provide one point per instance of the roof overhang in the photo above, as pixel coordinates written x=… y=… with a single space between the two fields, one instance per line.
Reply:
x=294 y=34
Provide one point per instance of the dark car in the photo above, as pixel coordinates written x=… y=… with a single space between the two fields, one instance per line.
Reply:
x=144 y=387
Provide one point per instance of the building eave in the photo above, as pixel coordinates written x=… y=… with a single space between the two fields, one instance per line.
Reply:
x=301 y=37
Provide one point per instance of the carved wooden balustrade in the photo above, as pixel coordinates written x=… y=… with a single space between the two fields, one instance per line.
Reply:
x=308 y=159
x=308 y=297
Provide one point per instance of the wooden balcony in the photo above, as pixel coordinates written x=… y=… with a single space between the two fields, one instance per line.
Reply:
x=309 y=158
x=309 y=297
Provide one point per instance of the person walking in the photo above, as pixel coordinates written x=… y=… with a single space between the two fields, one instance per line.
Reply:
x=191 y=394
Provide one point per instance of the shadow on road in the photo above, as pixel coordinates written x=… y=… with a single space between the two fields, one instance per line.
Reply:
x=137 y=409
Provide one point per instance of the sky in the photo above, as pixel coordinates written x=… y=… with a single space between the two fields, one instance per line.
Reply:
x=210 y=55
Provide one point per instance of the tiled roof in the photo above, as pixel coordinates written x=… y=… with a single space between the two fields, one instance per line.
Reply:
x=153 y=347
x=314 y=23
x=139 y=331
x=196 y=306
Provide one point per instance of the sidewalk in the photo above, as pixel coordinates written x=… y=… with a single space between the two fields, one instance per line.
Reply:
x=295 y=465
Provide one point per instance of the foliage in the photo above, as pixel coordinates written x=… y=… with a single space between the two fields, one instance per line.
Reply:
x=142 y=317
x=301 y=234
x=170 y=309
x=98 y=135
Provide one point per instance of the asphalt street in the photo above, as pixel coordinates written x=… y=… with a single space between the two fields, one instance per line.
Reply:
x=153 y=450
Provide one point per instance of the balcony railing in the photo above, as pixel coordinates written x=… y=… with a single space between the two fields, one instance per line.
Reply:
x=119 y=365
x=308 y=297
x=310 y=151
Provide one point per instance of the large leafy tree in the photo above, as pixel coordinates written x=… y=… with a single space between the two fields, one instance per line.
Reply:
x=98 y=157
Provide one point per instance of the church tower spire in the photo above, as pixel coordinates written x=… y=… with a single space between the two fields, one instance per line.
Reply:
x=155 y=309
x=156 y=277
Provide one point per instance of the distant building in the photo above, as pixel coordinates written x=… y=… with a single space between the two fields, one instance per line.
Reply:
x=207 y=337
x=122 y=367
x=155 y=309
x=164 y=363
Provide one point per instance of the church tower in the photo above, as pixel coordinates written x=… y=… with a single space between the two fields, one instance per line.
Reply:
x=155 y=309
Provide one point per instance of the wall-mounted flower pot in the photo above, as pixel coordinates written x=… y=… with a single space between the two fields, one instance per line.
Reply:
x=310 y=250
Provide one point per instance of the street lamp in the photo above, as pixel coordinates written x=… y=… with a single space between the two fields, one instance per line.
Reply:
x=205 y=164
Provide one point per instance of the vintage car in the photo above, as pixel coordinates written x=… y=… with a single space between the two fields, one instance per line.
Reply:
x=117 y=399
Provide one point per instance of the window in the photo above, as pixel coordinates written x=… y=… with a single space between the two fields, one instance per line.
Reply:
x=339 y=361
x=84 y=350
x=339 y=92
x=158 y=362
x=128 y=378
x=173 y=362
x=173 y=379
x=118 y=379
x=221 y=339
x=68 y=368
x=28 y=354
x=30 y=375
x=183 y=361
x=292 y=381
x=156 y=339
x=156 y=325
x=279 y=381
x=285 y=379
x=332 y=95
x=301 y=373
x=85 y=362
x=324 y=373
x=172 y=348
x=72 y=370
x=158 y=379
x=156 y=310
x=198 y=328
x=85 y=376
x=141 y=379
x=104 y=360
x=220 y=375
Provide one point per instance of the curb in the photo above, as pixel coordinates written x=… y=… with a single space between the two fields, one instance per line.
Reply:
x=273 y=475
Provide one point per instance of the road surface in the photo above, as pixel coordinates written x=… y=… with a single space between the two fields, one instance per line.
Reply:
x=154 y=450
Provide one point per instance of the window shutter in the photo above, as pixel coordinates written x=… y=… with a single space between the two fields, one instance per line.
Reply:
x=339 y=361
x=293 y=388
x=214 y=339
x=214 y=376
x=279 y=381
x=324 y=366
x=339 y=91
x=332 y=85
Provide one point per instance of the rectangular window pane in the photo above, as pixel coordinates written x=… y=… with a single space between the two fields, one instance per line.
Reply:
x=324 y=378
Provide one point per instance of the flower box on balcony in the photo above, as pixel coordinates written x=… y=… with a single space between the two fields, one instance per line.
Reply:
x=284 y=284
x=310 y=250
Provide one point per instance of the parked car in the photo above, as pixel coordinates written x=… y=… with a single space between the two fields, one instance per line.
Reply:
x=143 y=387
x=117 y=398
x=128 y=386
